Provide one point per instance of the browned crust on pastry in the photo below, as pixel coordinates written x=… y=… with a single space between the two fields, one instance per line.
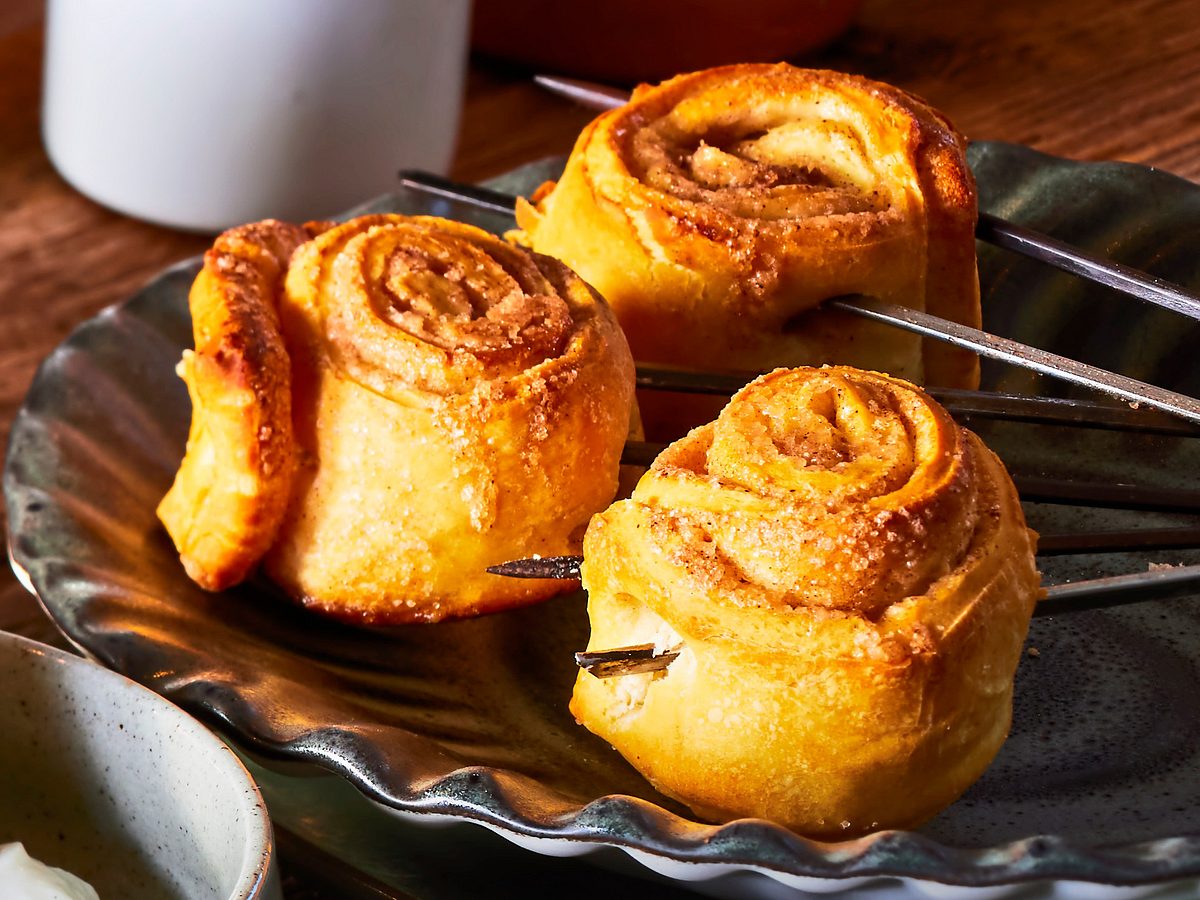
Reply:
x=233 y=485
x=384 y=407
x=848 y=578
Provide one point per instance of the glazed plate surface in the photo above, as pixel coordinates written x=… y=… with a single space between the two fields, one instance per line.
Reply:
x=1098 y=785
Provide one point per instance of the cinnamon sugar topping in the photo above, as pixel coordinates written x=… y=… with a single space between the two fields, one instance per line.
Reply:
x=857 y=480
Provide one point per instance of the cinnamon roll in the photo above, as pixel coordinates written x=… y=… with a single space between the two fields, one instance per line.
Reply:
x=384 y=408
x=848 y=578
x=716 y=211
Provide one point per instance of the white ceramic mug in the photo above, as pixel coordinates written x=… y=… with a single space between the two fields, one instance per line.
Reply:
x=202 y=114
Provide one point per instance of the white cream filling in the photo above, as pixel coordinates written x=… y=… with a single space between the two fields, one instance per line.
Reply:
x=629 y=691
x=23 y=876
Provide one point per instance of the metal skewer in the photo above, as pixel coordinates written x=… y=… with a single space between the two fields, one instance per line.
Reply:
x=1093 y=594
x=981 y=342
x=471 y=194
x=1010 y=351
x=568 y=567
x=1125 y=541
x=625 y=660
x=1102 y=414
x=990 y=228
x=1036 y=489
x=585 y=93
x=560 y=567
x=1126 y=279
x=1097 y=593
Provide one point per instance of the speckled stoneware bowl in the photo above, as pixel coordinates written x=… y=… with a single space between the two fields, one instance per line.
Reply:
x=104 y=778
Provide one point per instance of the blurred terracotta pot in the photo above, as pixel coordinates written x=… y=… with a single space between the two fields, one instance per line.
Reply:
x=626 y=41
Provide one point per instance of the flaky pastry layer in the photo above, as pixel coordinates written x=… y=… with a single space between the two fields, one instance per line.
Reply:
x=435 y=400
x=716 y=211
x=848 y=577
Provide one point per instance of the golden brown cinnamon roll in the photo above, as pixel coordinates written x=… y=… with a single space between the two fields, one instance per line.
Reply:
x=716 y=211
x=400 y=404
x=849 y=579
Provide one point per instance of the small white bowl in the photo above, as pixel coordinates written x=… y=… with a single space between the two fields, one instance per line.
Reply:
x=102 y=777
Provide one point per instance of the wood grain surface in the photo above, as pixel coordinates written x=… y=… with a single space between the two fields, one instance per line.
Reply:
x=1087 y=79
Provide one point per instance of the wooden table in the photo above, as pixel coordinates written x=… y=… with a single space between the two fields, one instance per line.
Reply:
x=1088 y=79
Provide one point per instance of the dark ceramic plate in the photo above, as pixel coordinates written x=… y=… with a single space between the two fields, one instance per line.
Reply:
x=1099 y=782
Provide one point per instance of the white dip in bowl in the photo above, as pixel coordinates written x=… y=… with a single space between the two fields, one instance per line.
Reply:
x=105 y=779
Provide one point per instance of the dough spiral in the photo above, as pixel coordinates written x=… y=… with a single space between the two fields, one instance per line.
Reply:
x=849 y=578
x=716 y=211
x=434 y=401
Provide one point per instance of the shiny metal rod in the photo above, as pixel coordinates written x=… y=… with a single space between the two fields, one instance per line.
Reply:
x=962 y=404
x=1042 y=361
x=585 y=93
x=981 y=342
x=1165 y=583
